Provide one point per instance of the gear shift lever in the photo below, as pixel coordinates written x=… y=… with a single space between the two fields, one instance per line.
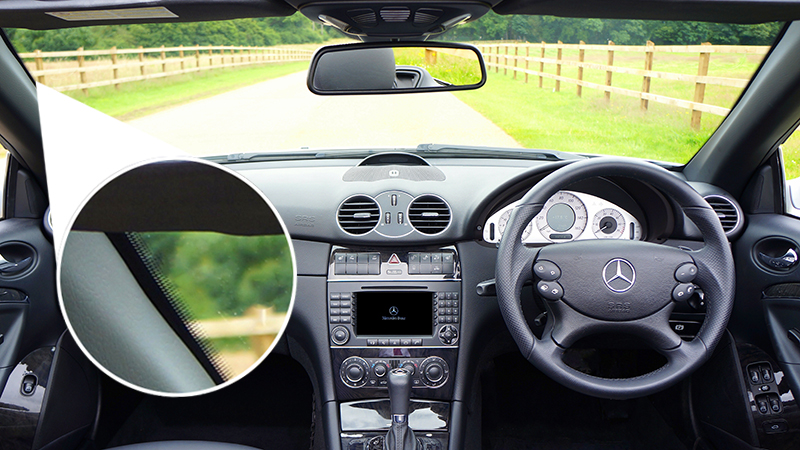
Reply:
x=400 y=435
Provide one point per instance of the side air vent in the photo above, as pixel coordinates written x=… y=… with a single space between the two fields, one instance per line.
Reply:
x=426 y=16
x=395 y=14
x=429 y=214
x=358 y=215
x=729 y=214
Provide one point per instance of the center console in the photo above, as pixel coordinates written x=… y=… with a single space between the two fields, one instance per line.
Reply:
x=389 y=309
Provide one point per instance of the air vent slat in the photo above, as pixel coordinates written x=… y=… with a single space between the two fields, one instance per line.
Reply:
x=429 y=214
x=395 y=14
x=727 y=212
x=358 y=215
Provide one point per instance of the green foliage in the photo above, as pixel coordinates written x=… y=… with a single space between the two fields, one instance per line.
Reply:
x=220 y=275
x=623 y=32
x=295 y=29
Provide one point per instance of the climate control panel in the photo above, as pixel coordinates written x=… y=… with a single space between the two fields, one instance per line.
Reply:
x=358 y=372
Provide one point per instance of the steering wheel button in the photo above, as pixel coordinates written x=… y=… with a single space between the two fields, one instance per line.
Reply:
x=686 y=273
x=550 y=290
x=546 y=270
x=682 y=292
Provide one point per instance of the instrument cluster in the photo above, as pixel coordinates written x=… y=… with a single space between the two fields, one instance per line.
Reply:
x=569 y=216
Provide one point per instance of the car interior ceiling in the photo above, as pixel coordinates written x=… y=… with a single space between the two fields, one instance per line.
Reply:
x=471 y=382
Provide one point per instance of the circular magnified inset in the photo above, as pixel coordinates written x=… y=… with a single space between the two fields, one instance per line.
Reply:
x=176 y=277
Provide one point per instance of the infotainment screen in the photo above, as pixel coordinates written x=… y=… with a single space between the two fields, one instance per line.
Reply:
x=394 y=313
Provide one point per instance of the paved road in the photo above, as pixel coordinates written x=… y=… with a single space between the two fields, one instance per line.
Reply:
x=282 y=114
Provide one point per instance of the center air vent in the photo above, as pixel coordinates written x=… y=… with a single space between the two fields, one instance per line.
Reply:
x=429 y=214
x=358 y=215
x=729 y=214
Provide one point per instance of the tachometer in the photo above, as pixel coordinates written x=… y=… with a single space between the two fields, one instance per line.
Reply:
x=563 y=217
x=503 y=221
x=608 y=224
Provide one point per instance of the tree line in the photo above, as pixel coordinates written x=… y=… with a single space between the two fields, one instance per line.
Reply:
x=297 y=29
x=622 y=32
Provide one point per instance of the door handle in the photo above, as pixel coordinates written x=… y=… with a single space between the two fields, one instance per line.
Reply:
x=13 y=268
x=786 y=261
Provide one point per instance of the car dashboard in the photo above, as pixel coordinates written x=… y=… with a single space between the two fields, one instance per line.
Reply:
x=393 y=254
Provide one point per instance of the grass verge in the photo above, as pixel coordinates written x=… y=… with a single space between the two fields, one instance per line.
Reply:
x=545 y=119
x=138 y=99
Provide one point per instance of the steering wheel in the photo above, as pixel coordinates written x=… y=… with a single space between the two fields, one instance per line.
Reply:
x=619 y=286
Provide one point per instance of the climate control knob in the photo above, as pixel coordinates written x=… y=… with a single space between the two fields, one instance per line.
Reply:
x=434 y=371
x=354 y=371
x=410 y=367
x=380 y=369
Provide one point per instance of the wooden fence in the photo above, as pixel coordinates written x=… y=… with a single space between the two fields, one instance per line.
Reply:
x=95 y=68
x=260 y=324
x=529 y=60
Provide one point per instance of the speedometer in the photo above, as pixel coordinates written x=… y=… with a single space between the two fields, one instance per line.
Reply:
x=563 y=217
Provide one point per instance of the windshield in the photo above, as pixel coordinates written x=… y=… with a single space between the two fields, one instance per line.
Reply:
x=648 y=89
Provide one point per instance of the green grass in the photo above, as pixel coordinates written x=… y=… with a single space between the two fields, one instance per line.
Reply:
x=138 y=99
x=791 y=156
x=542 y=118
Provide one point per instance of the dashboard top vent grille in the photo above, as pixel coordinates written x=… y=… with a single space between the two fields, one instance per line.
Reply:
x=358 y=215
x=429 y=214
x=395 y=14
x=426 y=16
x=364 y=17
x=729 y=215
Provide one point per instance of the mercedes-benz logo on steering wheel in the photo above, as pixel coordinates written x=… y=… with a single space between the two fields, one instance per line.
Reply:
x=393 y=310
x=619 y=275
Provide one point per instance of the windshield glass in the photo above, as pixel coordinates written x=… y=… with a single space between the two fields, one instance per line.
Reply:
x=649 y=89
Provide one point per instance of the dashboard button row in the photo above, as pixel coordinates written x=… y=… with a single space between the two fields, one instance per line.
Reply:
x=357 y=263
x=431 y=263
x=404 y=342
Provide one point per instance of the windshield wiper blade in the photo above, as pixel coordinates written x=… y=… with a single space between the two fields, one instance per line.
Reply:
x=494 y=152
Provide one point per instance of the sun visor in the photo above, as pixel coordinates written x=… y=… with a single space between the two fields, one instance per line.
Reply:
x=177 y=196
x=724 y=11
x=43 y=15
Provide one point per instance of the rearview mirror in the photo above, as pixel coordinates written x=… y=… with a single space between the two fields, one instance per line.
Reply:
x=395 y=68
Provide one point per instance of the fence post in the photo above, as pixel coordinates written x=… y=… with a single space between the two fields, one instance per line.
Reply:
x=527 y=55
x=180 y=54
x=648 y=65
x=430 y=57
x=516 y=54
x=163 y=58
x=558 y=67
x=197 y=55
x=580 y=67
x=505 y=60
x=81 y=71
x=141 y=61
x=497 y=60
x=541 y=66
x=210 y=56
x=609 y=72
x=39 y=65
x=114 y=63
x=700 y=88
